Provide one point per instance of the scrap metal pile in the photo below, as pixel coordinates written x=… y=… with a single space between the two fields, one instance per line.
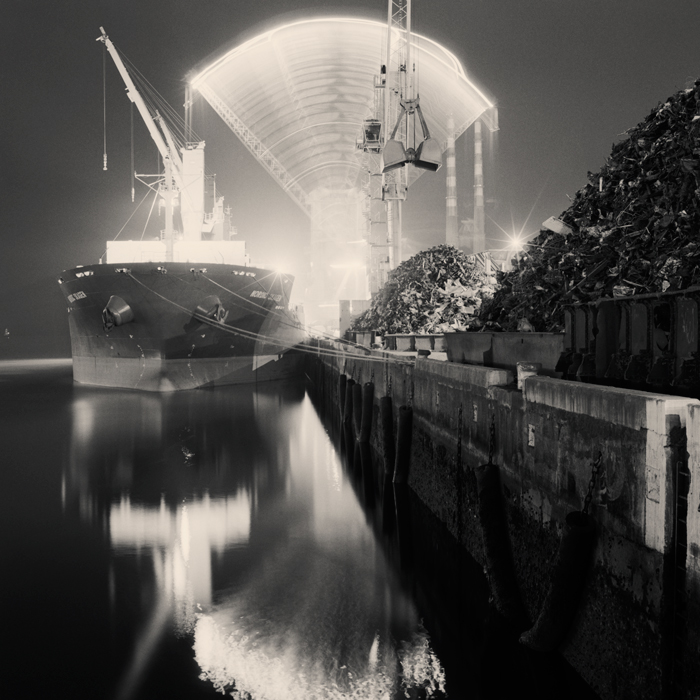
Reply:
x=633 y=229
x=436 y=291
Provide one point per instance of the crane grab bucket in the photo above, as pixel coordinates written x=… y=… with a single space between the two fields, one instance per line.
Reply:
x=428 y=155
x=393 y=155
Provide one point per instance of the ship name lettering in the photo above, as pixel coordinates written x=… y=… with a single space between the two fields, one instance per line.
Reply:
x=261 y=295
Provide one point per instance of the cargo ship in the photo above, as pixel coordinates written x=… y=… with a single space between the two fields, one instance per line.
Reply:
x=188 y=309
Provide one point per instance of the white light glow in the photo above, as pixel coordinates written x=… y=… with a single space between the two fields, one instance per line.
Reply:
x=269 y=92
x=446 y=58
x=516 y=242
x=284 y=669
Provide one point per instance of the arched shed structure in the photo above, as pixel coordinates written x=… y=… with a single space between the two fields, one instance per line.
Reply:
x=297 y=96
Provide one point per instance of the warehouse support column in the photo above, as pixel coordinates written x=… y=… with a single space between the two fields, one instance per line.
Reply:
x=452 y=220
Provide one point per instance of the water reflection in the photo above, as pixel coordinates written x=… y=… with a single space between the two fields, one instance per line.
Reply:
x=231 y=522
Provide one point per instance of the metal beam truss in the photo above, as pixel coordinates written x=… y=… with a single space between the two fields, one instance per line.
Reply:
x=383 y=193
x=257 y=149
x=395 y=182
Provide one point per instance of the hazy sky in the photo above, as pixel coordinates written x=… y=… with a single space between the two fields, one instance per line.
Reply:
x=569 y=76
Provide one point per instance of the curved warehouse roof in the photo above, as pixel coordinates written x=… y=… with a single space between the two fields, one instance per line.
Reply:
x=297 y=95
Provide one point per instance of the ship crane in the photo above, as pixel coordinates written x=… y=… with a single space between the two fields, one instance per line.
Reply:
x=168 y=154
x=184 y=173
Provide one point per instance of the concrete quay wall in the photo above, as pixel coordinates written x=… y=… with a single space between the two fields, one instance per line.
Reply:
x=637 y=626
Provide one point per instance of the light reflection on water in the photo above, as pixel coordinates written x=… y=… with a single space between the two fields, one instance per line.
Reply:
x=223 y=518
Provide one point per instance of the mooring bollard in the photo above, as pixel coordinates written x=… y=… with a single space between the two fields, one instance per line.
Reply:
x=347 y=409
x=568 y=575
x=403 y=445
x=367 y=411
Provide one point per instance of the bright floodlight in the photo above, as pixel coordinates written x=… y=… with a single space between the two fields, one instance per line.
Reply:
x=516 y=242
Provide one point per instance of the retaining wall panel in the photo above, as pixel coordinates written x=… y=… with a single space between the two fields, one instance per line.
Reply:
x=613 y=646
x=692 y=561
x=561 y=462
x=446 y=487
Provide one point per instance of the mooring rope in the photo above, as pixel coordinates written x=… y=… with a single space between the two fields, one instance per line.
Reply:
x=251 y=335
x=272 y=311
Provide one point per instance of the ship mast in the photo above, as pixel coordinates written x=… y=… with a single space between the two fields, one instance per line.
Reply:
x=171 y=159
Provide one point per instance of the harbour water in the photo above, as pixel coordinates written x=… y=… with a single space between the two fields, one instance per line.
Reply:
x=185 y=544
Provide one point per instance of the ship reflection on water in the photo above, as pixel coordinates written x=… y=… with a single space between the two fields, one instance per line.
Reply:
x=185 y=544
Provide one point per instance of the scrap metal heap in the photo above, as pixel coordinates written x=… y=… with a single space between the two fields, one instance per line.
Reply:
x=633 y=229
x=436 y=291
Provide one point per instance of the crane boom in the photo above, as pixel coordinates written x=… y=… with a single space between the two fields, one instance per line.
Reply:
x=135 y=96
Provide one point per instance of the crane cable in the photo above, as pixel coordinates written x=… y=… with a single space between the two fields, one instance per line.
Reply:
x=133 y=170
x=150 y=211
x=156 y=102
x=104 y=107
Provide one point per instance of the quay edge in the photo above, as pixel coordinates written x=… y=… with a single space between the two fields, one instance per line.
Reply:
x=638 y=620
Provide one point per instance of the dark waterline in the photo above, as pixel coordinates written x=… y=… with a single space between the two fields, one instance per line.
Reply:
x=148 y=540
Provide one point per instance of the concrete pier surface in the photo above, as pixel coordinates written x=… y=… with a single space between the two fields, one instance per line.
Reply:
x=636 y=623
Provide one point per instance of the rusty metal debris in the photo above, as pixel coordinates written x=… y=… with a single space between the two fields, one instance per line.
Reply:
x=439 y=290
x=634 y=226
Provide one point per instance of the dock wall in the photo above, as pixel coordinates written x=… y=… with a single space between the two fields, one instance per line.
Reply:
x=637 y=624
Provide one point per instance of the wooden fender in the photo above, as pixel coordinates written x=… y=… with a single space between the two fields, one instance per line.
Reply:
x=568 y=575
x=403 y=445
x=497 y=550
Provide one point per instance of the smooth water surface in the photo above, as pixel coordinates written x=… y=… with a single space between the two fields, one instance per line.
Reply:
x=180 y=545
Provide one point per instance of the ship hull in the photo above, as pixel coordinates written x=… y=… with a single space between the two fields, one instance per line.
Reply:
x=176 y=375
x=180 y=326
